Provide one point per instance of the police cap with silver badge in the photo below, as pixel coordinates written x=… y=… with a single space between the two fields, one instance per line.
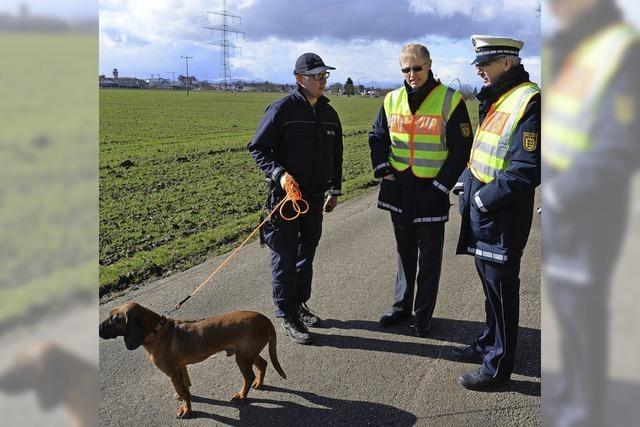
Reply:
x=488 y=47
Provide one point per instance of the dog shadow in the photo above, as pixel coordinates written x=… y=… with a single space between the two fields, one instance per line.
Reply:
x=450 y=330
x=322 y=410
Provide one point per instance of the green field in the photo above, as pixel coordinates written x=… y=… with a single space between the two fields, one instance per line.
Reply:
x=177 y=184
x=192 y=189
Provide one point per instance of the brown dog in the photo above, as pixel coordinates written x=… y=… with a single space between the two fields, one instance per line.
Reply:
x=173 y=344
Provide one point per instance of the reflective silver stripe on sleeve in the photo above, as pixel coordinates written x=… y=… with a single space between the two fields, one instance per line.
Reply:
x=440 y=187
x=335 y=192
x=572 y=275
x=380 y=166
x=479 y=203
x=387 y=206
x=431 y=219
x=486 y=254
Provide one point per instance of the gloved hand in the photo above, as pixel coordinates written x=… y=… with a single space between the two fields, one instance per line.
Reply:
x=283 y=179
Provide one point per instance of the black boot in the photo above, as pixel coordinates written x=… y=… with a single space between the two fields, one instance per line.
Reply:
x=480 y=380
x=296 y=330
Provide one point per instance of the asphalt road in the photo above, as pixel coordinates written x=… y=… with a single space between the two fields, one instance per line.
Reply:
x=356 y=373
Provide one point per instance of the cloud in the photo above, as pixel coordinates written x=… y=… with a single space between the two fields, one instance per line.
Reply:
x=360 y=37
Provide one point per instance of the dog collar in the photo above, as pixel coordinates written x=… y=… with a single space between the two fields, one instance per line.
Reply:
x=150 y=335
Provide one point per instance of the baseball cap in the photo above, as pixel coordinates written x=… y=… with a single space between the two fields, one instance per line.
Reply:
x=310 y=63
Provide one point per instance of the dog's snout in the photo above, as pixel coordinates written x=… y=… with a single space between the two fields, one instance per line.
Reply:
x=105 y=329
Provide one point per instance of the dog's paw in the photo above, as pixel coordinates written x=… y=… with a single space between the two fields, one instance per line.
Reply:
x=256 y=384
x=183 y=412
x=238 y=398
x=177 y=397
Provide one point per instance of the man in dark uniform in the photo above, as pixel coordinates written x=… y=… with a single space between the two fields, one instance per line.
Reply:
x=299 y=138
x=496 y=201
x=420 y=144
x=586 y=194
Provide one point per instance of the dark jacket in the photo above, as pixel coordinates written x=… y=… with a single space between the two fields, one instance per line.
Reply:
x=500 y=226
x=410 y=195
x=306 y=142
x=586 y=206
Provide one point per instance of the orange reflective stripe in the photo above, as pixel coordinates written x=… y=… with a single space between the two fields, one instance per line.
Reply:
x=428 y=125
x=420 y=125
x=411 y=143
x=495 y=122
x=576 y=79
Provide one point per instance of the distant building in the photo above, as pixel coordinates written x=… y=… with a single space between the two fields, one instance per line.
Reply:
x=124 y=82
x=159 y=83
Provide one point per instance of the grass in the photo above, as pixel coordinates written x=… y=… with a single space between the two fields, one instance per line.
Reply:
x=177 y=184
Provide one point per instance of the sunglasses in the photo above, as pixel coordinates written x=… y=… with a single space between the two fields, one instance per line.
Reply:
x=486 y=63
x=320 y=76
x=415 y=69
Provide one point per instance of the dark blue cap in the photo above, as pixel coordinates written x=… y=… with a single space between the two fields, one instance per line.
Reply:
x=310 y=63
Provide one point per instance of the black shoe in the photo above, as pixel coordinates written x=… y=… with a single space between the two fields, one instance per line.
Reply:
x=421 y=329
x=308 y=317
x=393 y=317
x=480 y=380
x=295 y=329
x=468 y=354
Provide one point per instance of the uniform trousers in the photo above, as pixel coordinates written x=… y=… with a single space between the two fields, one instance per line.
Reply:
x=293 y=247
x=501 y=285
x=419 y=247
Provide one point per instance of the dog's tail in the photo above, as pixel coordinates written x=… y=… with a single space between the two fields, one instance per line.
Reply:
x=272 y=353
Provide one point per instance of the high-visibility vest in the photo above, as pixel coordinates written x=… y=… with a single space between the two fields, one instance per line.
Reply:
x=492 y=140
x=571 y=103
x=418 y=141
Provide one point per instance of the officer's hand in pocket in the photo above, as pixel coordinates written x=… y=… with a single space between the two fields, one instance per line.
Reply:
x=390 y=177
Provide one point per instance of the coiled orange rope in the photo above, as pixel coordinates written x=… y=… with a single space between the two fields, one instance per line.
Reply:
x=300 y=207
x=295 y=197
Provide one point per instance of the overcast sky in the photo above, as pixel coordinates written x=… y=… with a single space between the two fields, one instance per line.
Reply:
x=361 y=38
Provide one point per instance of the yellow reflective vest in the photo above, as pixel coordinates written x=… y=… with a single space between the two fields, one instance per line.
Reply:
x=418 y=141
x=572 y=101
x=492 y=140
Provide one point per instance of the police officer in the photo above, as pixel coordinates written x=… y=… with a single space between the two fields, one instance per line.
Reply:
x=299 y=138
x=590 y=155
x=420 y=143
x=497 y=199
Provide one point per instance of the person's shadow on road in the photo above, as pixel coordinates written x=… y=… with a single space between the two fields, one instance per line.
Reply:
x=450 y=330
x=320 y=411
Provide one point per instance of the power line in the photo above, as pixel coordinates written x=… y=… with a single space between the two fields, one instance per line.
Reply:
x=226 y=47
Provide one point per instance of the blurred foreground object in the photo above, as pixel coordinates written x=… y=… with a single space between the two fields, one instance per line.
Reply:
x=590 y=153
x=58 y=378
x=49 y=212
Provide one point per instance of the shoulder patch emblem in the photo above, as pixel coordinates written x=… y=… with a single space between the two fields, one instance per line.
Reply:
x=529 y=140
x=466 y=129
x=624 y=109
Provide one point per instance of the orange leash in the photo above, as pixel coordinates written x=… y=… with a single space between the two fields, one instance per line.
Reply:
x=300 y=207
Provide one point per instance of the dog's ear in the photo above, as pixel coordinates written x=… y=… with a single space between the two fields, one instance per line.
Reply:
x=134 y=331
